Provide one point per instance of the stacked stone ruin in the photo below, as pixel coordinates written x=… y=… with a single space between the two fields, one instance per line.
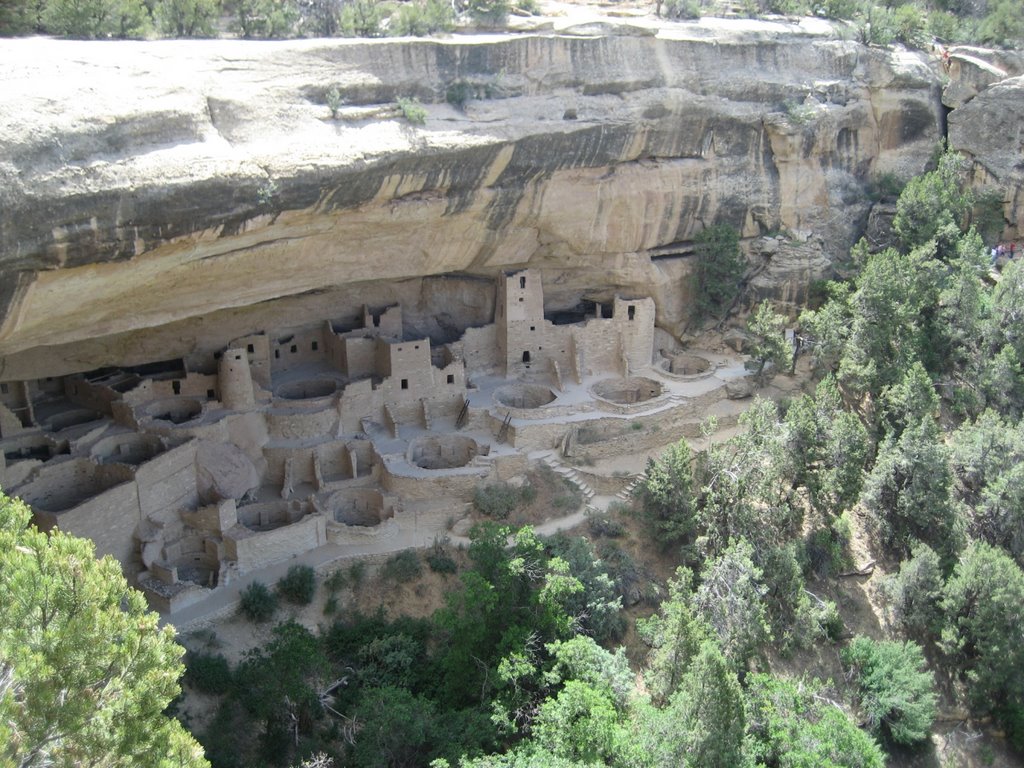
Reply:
x=283 y=442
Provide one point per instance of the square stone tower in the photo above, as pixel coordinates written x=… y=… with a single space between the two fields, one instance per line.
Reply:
x=519 y=317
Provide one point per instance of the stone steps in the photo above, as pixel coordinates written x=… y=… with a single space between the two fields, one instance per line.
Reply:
x=569 y=473
x=626 y=494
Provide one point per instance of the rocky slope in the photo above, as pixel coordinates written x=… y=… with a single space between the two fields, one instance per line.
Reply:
x=161 y=198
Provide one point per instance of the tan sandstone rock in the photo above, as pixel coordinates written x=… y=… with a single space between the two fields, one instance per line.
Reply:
x=990 y=130
x=161 y=199
x=223 y=471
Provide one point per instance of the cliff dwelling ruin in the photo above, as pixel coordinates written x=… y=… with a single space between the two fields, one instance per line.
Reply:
x=193 y=474
x=238 y=327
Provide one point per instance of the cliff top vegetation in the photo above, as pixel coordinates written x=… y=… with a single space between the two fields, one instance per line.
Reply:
x=916 y=23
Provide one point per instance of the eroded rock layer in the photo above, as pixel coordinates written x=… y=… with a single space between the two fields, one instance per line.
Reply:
x=160 y=199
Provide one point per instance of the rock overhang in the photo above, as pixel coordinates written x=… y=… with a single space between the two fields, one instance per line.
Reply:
x=153 y=184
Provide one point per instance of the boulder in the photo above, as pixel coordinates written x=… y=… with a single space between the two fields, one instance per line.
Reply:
x=971 y=70
x=737 y=340
x=740 y=389
x=969 y=75
x=223 y=471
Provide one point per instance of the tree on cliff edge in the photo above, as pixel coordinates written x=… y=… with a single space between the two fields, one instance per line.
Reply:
x=85 y=670
x=720 y=268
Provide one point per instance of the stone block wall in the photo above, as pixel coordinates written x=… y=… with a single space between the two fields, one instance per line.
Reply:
x=519 y=317
x=509 y=466
x=303 y=346
x=599 y=344
x=167 y=483
x=96 y=397
x=215 y=430
x=66 y=484
x=335 y=459
x=200 y=385
x=253 y=550
x=235 y=376
x=407 y=370
x=360 y=400
x=15 y=401
x=334 y=349
x=360 y=357
x=635 y=321
x=478 y=348
x=10 y=420
x=530 y=437
x=257 y=349
x=285 y=425
x=459 y=484
x=110 y=519
x=301 y=464
x=387 y=322
x=214 y=518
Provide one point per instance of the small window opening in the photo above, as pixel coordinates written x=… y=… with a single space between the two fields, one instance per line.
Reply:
x=522 y=282
x=211 y=394
x=416 y=346
x=631 y=312
x=277 y=354
x=217 y=355
x=405 y=383
x=238 y=357
x=250 y=348
x=176 y=387
x=533 y=328
x=3 y=388
x=294 y=348
x=520 y=299
x=451 y=378
x=315 y=346
x=526 y=356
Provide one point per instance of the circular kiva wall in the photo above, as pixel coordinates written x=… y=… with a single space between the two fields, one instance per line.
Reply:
x=635 y=389
x=359 y=506
x=686 y=364
x=268 y=515
x=309 y=389
x=196 y=561
x=523 y=396
x=442 y=451
x=129 y=448
x=200 y=575
x=175 y=410
x=37 y=447
x=71 y=418
x=65 y=485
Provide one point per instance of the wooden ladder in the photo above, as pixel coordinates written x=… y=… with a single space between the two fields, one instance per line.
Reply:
x=463 y=416
x=503 y=432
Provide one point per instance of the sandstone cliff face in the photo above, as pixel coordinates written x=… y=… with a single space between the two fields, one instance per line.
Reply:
x=161 y=198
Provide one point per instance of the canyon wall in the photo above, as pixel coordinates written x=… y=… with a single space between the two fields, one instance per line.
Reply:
x=158 y=199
